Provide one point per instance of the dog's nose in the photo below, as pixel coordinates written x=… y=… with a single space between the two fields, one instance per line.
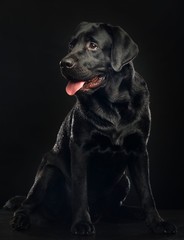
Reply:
x=67 y=62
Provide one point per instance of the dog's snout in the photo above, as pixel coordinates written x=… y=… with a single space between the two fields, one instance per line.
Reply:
x=67 y=63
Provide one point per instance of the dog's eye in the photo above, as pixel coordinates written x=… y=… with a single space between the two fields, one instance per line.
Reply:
x=92 y=46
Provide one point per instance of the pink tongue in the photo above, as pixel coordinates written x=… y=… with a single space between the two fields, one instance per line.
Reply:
x=72 y=87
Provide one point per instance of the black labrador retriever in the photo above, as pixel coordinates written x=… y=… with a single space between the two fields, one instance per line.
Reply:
x=105 y=133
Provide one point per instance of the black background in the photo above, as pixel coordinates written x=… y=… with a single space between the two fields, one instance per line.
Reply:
x=34 y=37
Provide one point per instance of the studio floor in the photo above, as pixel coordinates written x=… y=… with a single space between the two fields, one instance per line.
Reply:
x=104 y=230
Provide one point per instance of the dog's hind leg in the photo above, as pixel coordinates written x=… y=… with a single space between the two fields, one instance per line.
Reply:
x=119 y=193
x=109 y=203
x=35 y=197
x=117 y=210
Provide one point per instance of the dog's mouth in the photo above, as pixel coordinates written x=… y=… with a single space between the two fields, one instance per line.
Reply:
x=73 y=87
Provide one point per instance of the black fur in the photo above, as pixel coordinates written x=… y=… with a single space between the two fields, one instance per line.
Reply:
x=105 y=133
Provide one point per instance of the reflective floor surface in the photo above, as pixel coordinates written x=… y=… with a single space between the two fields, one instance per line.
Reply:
x=104 y=230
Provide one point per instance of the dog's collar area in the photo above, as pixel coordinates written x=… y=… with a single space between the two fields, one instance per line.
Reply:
x=73 y=87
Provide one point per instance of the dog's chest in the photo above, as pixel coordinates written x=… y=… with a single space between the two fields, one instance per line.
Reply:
x=111 y=140
x=121 y=123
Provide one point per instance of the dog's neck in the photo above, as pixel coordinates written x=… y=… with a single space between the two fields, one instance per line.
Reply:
x=119 y=84
x=115 y=89
x=104 y=104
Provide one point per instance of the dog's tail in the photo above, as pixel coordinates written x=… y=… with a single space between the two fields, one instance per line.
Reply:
x=14 y=203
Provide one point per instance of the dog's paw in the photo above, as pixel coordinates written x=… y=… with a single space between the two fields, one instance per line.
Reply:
x=20 y=221
x=83 y=228
x=163 y=227
x=14 y=203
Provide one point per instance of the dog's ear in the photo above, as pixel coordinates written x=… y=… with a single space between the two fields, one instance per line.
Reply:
x=124 y=49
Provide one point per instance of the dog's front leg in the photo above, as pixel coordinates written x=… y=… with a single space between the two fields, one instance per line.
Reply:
x=139 y=171
x=82 y=224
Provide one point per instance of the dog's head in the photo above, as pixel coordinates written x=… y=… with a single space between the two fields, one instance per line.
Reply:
x=94 y=49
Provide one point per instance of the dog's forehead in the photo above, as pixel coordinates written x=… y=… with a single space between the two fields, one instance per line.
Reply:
x=95 y=31
x=84 y=28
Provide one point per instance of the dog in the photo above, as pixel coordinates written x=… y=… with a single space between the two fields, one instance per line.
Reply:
x=104 y=134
